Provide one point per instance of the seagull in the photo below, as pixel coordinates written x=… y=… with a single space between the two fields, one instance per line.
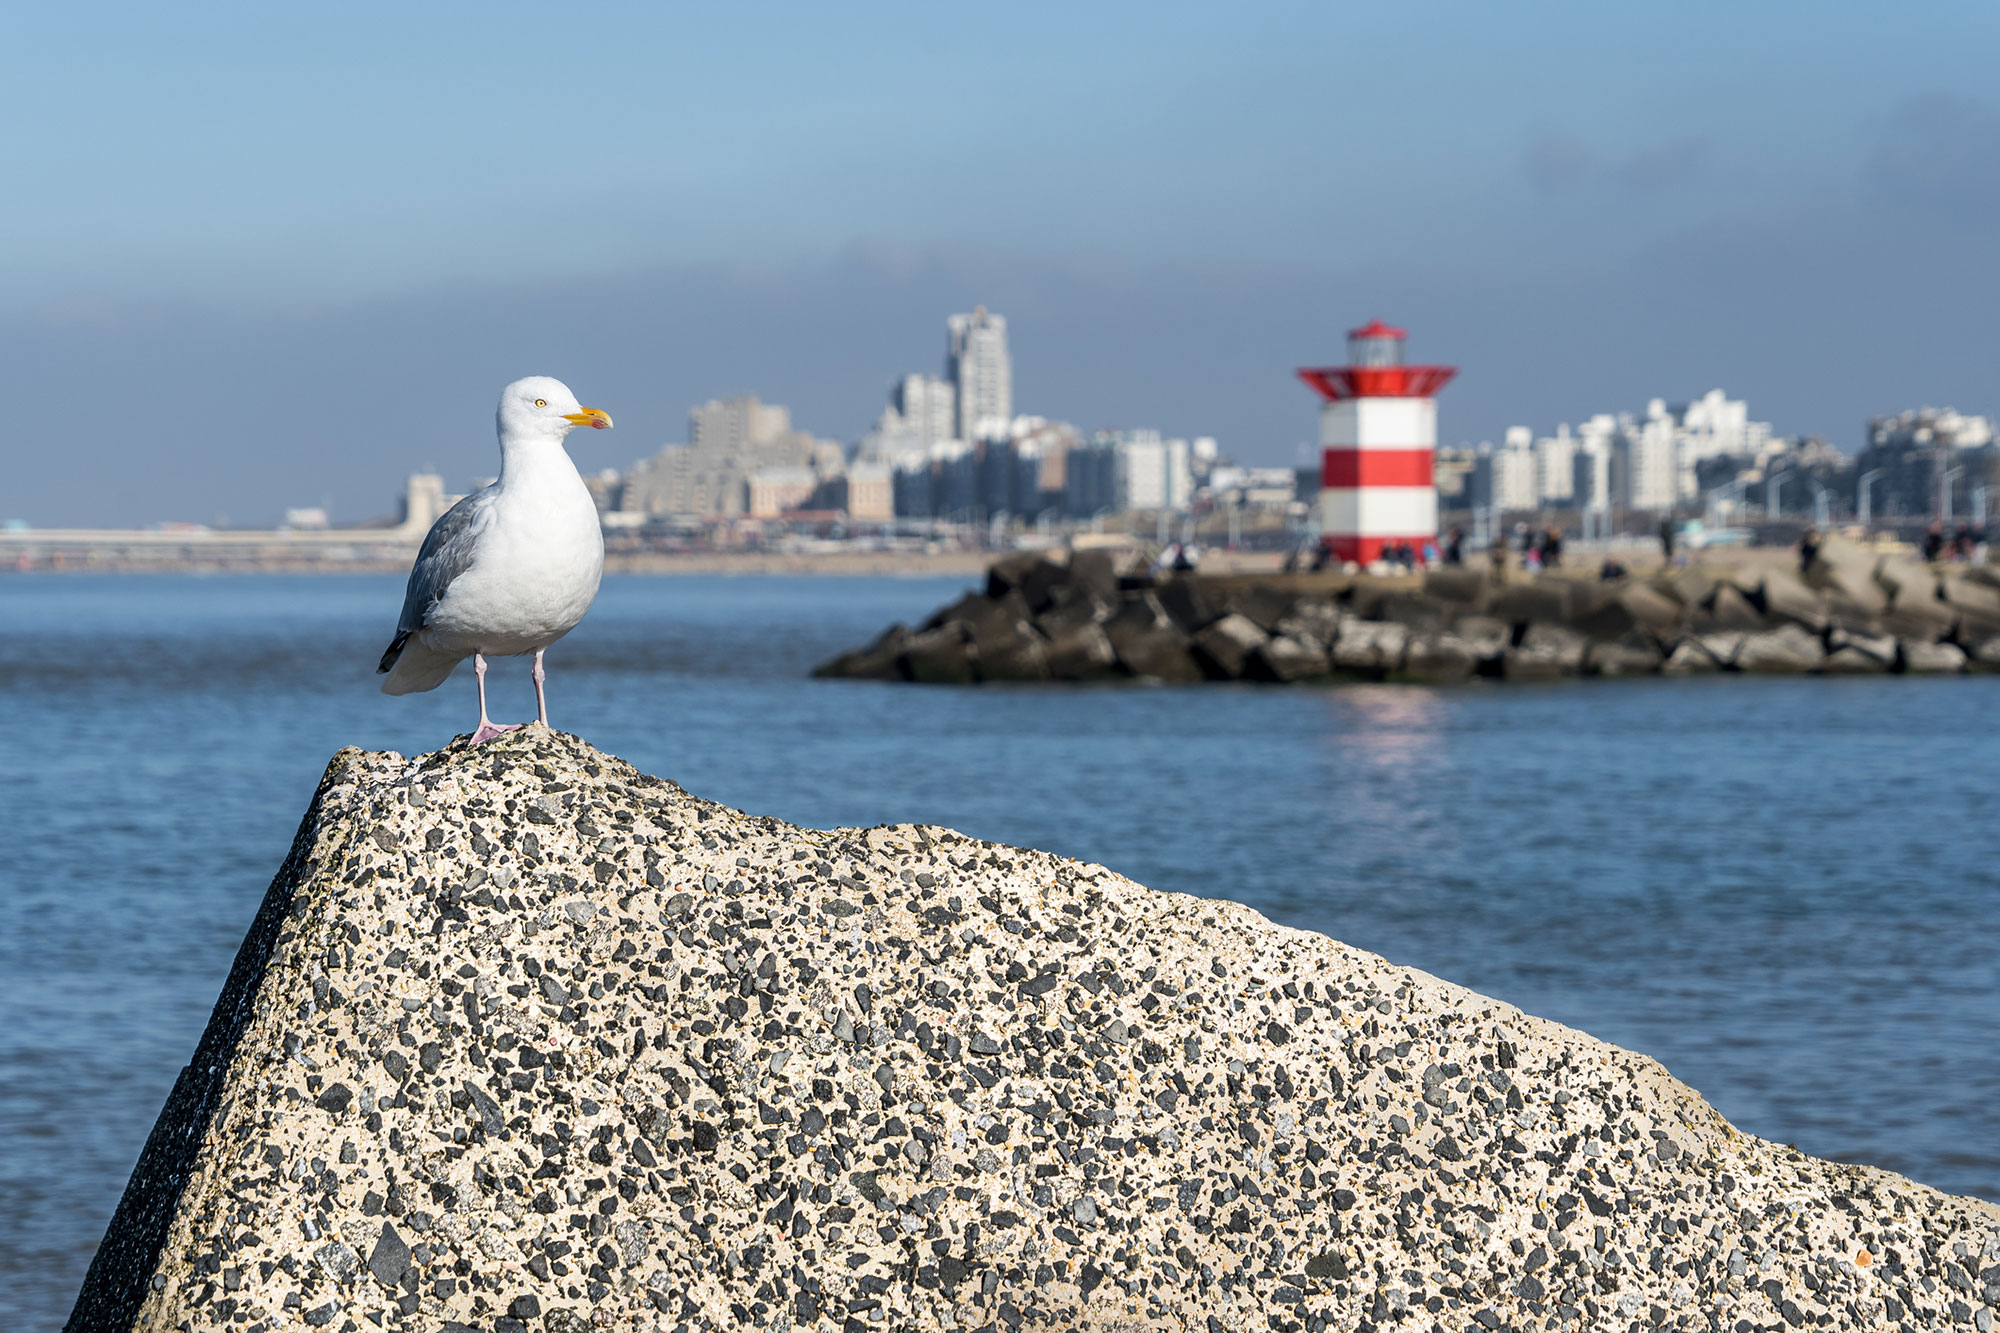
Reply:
x=511 y=568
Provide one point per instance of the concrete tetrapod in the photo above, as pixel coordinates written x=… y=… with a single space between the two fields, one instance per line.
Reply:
x=524 y=1039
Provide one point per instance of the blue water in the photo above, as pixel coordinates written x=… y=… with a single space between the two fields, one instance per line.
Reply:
x=1786 y=890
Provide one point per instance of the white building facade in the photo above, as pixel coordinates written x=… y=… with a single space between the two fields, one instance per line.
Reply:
x=1514 y=470
x=1652 y=459
x=981 y=372
x=1625 y=462
x=1555 y=469
x=927 y=408
x=1151 y=473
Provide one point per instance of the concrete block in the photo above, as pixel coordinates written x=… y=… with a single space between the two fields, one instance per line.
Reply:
x=1223 y=647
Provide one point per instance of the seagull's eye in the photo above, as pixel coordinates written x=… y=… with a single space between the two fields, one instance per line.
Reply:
x=541 y=402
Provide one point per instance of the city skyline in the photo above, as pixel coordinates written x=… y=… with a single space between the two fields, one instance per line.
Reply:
x=1666 y=440
x=289 y=260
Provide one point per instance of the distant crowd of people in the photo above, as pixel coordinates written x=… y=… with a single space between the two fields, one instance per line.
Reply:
x=1541 y=548
x=1959 y=548
x=1398 y=555
x=1404 y=556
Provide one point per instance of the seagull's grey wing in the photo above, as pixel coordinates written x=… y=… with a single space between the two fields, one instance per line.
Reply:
x=447 y=552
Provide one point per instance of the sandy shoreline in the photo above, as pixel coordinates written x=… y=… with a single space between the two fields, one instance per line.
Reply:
x=860 y=563
x=850 y=564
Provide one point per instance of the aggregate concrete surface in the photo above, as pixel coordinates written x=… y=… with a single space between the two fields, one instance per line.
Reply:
x=525 y=1039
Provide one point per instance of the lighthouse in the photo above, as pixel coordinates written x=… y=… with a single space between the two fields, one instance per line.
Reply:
x=1378 y=433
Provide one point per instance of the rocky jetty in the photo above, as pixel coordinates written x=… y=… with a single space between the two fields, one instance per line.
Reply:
x=523 y=1039
x=1077 y=618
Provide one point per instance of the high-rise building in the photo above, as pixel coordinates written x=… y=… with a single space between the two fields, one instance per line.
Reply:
x=1929 y=425
x=729 y=440
x=941 y=482
x=1090 y=479
x=1598 y=469
x=1513 y=478
x=1649 y=463
x=1931 y=461
x=981 y=373
x=1127 y=471
x=1153 y=473
x=733 y=425
x=996 y=477
x=922 y=412
x=910 y=486
x=1555 y=468
x=1045 y=445
x=927 y=407
x=1710 y=427
x=1652 y=464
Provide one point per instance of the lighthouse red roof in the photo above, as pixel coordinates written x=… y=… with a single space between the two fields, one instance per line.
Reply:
x=1339 y=383
x=1375 y=369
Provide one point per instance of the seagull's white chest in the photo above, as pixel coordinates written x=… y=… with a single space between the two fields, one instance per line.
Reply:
x=540 y=555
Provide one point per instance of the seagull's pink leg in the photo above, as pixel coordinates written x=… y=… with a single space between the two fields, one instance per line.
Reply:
x=541 y=699
x=488 y=729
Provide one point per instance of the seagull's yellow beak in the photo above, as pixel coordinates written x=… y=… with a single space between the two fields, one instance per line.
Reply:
x=595 y=418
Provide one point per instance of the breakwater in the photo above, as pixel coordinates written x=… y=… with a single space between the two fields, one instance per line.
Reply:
x=522 y=1038
x=1081 y=619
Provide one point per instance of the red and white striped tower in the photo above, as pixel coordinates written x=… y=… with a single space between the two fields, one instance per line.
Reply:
x=1379 y=432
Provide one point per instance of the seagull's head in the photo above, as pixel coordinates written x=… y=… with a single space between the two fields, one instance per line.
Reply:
x=542 y=408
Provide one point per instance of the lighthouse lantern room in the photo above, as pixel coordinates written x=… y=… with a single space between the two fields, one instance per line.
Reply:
x=1378 y=433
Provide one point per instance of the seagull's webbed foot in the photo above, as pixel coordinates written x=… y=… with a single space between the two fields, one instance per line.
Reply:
x=488 y=728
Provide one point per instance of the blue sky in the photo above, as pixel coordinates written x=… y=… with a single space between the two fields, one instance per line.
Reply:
x=281 y=257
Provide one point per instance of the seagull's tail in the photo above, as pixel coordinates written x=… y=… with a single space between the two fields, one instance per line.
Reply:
x=413 y=668
x=391 y=653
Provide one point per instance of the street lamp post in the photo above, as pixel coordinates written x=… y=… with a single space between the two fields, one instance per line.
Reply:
x=1944 y=491
x=1867 y=479
x=1739 y=501
x=1717 y=504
